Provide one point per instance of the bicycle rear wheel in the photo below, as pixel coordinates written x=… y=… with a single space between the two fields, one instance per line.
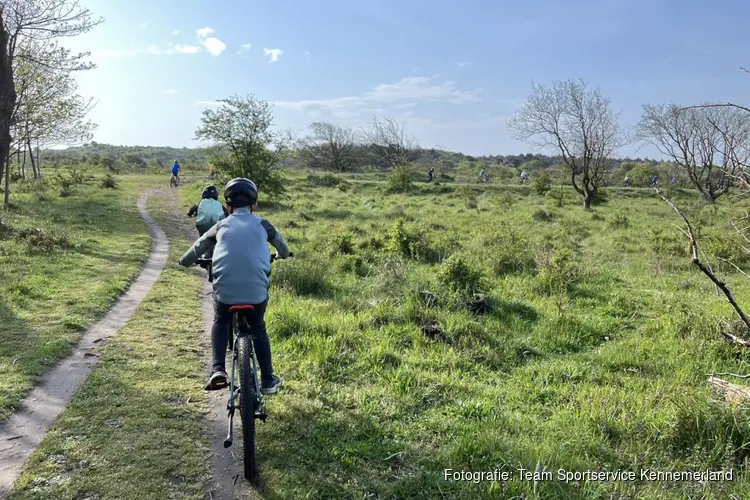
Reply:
x=248 y=402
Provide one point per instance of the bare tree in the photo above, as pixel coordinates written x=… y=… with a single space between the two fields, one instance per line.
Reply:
x=579 y=123
x=388 y=142
x=708 y=142
x=329 y=147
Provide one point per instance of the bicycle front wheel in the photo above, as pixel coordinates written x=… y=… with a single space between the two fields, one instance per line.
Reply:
x=248 y=401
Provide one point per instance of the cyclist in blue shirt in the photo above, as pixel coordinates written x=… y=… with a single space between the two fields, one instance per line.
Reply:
x=176 y=171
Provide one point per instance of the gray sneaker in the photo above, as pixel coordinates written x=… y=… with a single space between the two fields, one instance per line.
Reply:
x=217 y=381
x=270 y=386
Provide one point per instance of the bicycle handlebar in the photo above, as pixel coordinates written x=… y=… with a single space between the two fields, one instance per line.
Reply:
x=201 y=262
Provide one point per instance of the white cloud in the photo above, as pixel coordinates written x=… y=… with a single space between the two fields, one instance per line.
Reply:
x=203 y=32
x=144 y=25
x=406 y=92
x=187 y=49
x=214 y=45
x=245 y=47
x=307 y=53
x=171 y=91
x=463 y=64
x=273 y=54
x=175 y=32
x=154 y=50
x=116 y=53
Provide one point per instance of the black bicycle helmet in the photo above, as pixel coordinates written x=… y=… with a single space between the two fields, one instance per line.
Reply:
x=241 y=192
x=210 y=192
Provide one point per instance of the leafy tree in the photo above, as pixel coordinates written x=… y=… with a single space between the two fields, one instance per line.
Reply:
x=244 y=143
x=642 y=174
x=28 y=23
x=579 y=123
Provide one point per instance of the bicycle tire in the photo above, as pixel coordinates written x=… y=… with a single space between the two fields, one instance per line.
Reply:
x=247 y=408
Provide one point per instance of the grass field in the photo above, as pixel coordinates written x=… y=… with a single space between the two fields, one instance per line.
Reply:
x=588 y=350
x=63 y=263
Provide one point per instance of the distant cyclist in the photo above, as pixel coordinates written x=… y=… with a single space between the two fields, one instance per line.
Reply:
x=431 y=174
x=655 y=181
x=524 y=177
x=628 y=182
x=176 y=171
x=483 y=175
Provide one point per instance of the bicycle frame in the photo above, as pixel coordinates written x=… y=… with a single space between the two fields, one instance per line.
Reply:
x=234 y=391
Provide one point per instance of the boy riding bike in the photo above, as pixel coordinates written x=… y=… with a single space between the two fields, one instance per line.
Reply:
x=208 y=211
x=175 y=171
x=241 y=275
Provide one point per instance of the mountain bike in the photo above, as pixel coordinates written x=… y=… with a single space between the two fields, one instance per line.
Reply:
x=484 y=180
x=174 y=181
x=246 y=397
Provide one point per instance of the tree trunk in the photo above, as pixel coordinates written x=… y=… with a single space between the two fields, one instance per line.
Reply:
x=31 y=155
x=6 y=201
x=21 y=161
x=7 y=94
x=587 y=201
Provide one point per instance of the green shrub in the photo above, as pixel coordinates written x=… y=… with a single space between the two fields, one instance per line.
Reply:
x=559 y=275
x=41 y=241
x=400 y=180
x=408 y=241
x=469 y=195
x=353 y=264
x=109 y=182
x=343 y=243
x=542 y=184
x=38 y=188
x=458 y=276
x=542 y=215
x=557 y=194
x=619 y=220
x=509 y=251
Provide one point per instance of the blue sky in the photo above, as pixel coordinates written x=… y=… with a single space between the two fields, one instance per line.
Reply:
x=451 y=71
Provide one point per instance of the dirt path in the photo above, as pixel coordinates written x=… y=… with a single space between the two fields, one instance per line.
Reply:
x=24 y=430
x=227 y=482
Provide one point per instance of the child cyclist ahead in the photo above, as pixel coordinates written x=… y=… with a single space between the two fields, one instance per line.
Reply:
x=208 y=211
x=241 y=275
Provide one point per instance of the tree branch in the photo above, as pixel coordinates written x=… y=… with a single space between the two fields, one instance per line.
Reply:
x=722 y=286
